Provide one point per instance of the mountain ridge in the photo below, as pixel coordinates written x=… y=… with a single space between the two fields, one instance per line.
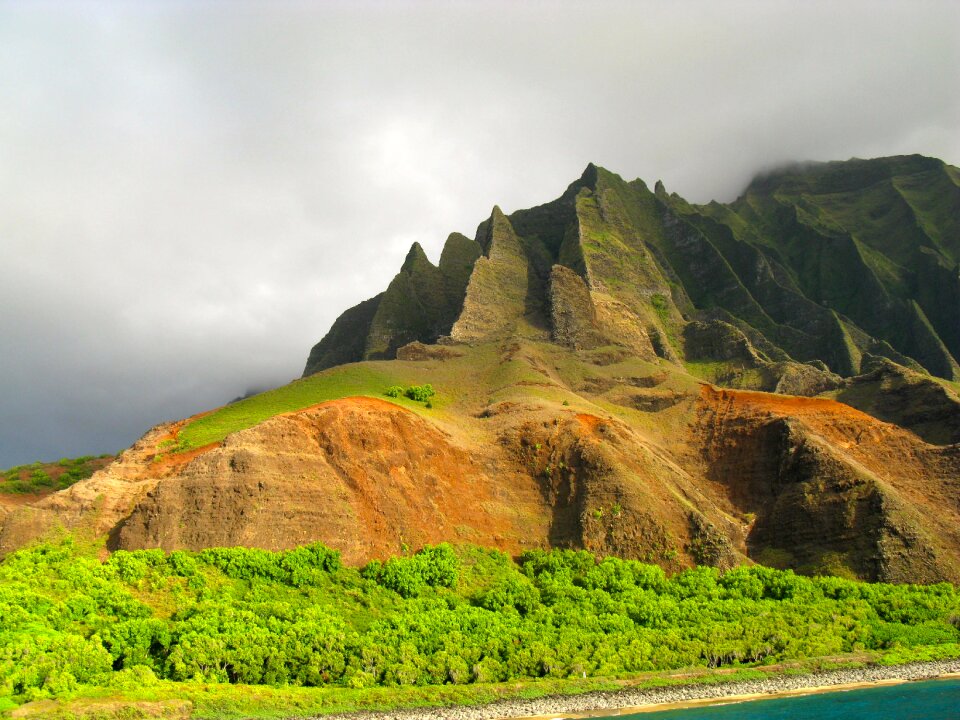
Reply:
x=772 y=256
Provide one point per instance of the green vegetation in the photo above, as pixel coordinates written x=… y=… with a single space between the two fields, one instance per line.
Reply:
x=367 y=380
x=724 y=372
x=659 y=302
x=168 y=625
x=40 y=477
x=417 y=393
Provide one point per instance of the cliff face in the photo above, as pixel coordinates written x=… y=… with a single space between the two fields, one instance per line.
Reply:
x=617 y=370
x=832 y=489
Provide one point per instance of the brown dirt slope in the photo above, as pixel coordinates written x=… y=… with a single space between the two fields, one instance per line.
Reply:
x=370 y=478
x=363 y=475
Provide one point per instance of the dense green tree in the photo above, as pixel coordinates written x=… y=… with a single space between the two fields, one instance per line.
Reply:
x=442 y=615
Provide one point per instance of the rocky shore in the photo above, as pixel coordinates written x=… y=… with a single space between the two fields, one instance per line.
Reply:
x=601 y=703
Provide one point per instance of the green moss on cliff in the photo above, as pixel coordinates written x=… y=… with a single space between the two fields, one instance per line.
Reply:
x=508 y=285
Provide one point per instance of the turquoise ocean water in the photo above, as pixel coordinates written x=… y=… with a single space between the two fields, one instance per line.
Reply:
x=926 y=700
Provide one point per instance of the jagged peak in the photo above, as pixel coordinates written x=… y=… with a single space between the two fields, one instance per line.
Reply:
x=553 y=232
x=587 y=179
x=486 y=231
x=415 y=257
x=589 y=176
x=604 y=179
x=456 y=248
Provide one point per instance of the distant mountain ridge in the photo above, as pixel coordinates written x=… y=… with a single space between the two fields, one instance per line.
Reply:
x=822 y=264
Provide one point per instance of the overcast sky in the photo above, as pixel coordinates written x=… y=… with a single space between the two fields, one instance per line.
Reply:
x=190 y=193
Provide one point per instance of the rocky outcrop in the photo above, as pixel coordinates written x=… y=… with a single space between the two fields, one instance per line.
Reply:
x=906 y=398
x=420 y=305
x=735 y=362
x=717 y=340
x=829 y=489
x=347 y=339
x=807 y=379
x=419 y=351
x=507 y=284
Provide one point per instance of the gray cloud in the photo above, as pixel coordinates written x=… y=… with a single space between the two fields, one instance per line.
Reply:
x=190 y=193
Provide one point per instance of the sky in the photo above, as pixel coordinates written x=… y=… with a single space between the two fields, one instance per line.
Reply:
x=192 y=192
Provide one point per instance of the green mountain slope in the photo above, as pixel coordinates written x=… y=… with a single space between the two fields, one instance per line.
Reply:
x=823 y=263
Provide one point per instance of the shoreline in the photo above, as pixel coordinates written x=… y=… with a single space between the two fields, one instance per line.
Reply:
x=736 y=699
x=630 y=700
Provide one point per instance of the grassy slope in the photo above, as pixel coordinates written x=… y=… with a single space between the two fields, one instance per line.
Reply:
x=471 y=379
x=50 y=476
x=367 y=379
x=483 y=374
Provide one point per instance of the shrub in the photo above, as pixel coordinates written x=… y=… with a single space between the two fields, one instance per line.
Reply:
x=513 y=591
x=243 y=563
x=417 y=393
x=181 y=563
x=434 y=566
x=420 y=393
x=304 y=564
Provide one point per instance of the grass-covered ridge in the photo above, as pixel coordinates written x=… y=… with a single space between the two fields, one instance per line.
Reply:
x=362 y=379
x=71 y=624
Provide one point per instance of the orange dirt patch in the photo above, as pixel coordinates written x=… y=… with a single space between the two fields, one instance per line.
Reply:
x=589 y=421
x=792 y=405
x=169 y=462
